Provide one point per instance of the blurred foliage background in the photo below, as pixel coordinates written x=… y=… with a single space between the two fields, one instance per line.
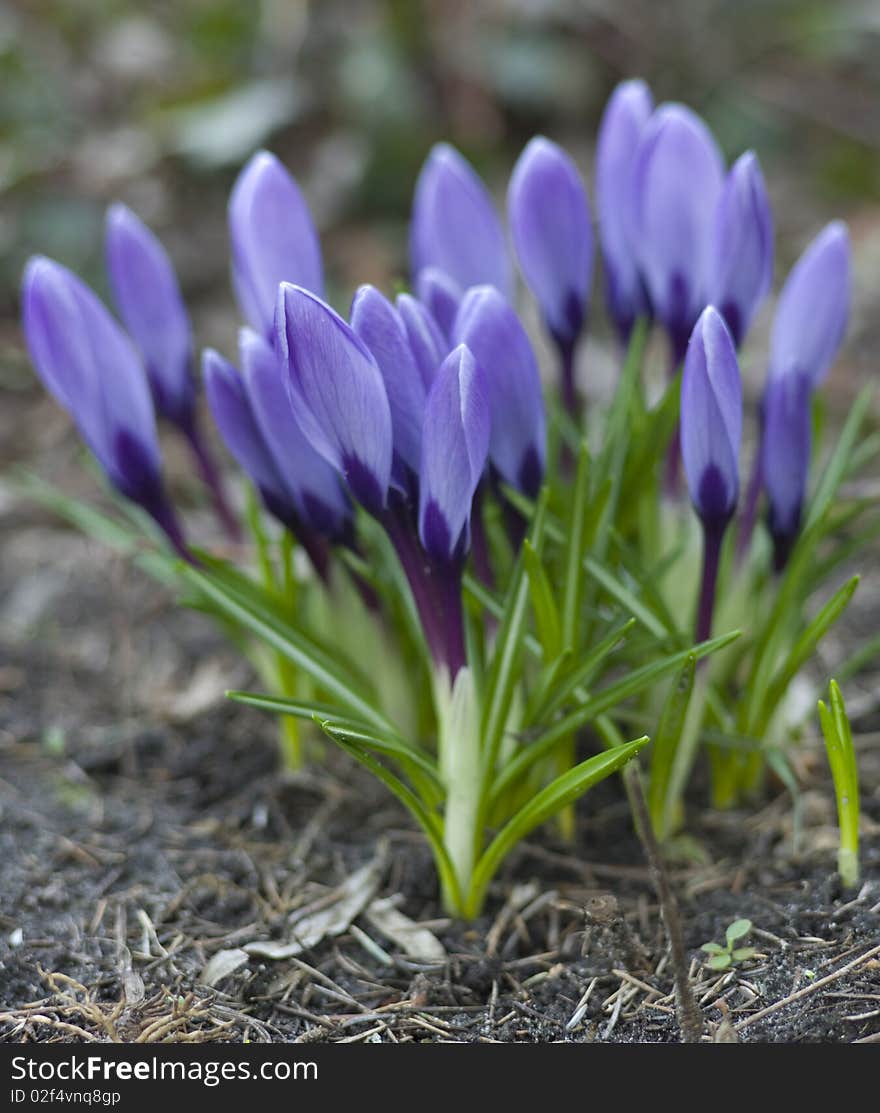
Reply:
x=159 y=105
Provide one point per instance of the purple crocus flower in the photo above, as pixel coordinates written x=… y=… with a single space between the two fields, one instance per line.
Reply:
x=380 y=327
x=314 y=487
x=441 y=296
x=711 y=433
x=488 y=325
x=273 y=240
x=428 y=344
x=337 y=393
x=550 y=221
x=742 y=252
x=455 y=444
x=455 y=227
x=813 y=307
x=148 y=298
x=785 y=456
x=89 y=365
x=147 y=294
x=623 y=122
x=679 y=176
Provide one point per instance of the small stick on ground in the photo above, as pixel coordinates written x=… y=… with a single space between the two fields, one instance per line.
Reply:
x=690 y=1019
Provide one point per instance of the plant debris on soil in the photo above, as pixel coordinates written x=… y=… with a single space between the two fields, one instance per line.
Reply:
x=161 y=882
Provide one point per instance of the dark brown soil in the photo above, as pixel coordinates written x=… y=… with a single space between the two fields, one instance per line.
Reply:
x=143 y=829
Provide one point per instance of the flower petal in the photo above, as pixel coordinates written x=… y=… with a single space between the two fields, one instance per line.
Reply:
x=148 y=298
x=441 y=296
x=455 y=441
x=550 y=220
x=679 y=176
x=311 y=483
x=785 y=450
x=89 y=365
x=813 y=308
x=623 y=123
x=490 y=328
x=455 y=226
x=711 y=419
x=337 y=393
x=273 y=239
x=742 y=255
x=378 y=324
x=429 y=346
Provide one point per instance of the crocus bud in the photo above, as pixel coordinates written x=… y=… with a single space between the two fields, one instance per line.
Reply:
x=148 y=298
x=711 y=420
x=440 y=295
x=813 y=308
x=455 y=227
x=230 y=408
x=90 y=367
x=379 y=325
x=623 y=122
x=273 y=240
x=679 y=176
x=742 y=255
x=337 y=393
x=311 y=483
x=455 y=441
x=490 y=328
x=785 y=455
x=550 y=221
x=429 y=346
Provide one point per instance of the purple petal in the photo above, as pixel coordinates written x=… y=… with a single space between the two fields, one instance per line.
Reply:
x=148 y=298
x=623 y=123
x=490 y=328
x=679 y=176
x=378 y=324
x=813 y=308
x=311 y=483
x=231 y=410
x=441 y=296
x=89 y=365
x=785 y=450
x=550 y=220
x=273 y=239
x=337 y=393
x=455 y=226
x=742 y=256
x=711 y=419
x=429 y=346
x=455 y=441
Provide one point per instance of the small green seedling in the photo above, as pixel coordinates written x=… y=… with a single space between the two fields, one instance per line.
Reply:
x=844 y=772
x=721 y=958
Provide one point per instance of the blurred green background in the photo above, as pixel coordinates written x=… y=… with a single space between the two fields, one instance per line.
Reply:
x=159 y=104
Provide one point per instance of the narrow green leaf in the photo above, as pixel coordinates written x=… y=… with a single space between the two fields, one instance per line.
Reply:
x=661 y=803
x=838 y=466
x=583 y=674
x=630 y=602
x=573 y=576
x=543 y=604
x=597 y=704
x=550 y=800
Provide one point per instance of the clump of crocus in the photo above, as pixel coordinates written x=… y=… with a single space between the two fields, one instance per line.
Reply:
x=711 y=432
x=147 y=295
x=550 y=222
x=89 y=365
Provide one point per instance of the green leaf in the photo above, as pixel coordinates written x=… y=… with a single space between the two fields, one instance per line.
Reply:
x=504 y=669
x=573 y=576
x=543 y=603
x=627 y=599
x=256 y=617
x=838 y=466
x=713 y=949
x=545 y=804
x=597 y=704
x=585 y=671
x=719 y=962
x=737 y=930
x=743 y=953
x=661 y=802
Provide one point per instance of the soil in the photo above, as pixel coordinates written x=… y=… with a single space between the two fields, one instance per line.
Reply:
x=144 y=829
